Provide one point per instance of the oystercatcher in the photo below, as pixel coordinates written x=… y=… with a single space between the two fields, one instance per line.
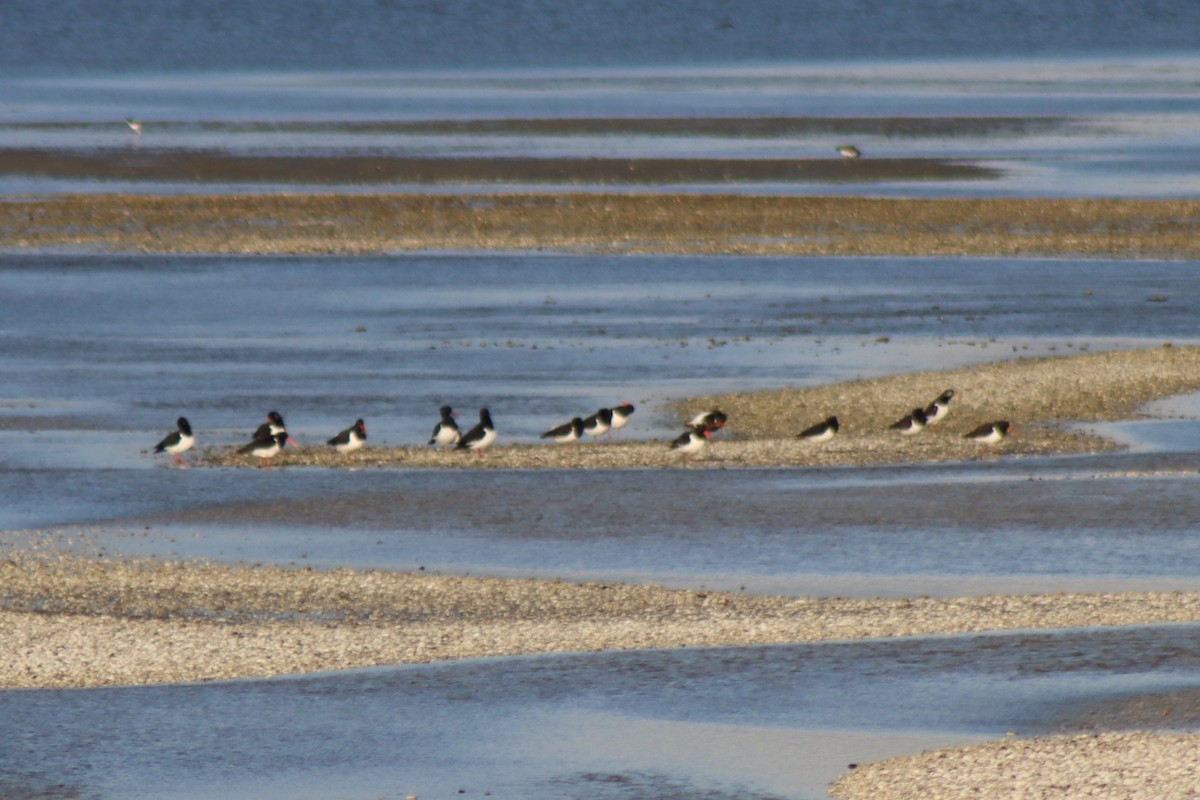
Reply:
x=446 y=432
x=272 y=426
x=480 y=437
x=912 y=424
x=692 y=441
x=567 y=432
x=178 y=441
x=821 y=432
x=350 y=439
x=265 y=447
x=711 y=420
x=936 y=411
x=621 y=415
x=991 y=432
x=599 y=423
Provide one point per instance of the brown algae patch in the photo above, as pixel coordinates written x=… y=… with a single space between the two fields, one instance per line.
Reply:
x=603 y=223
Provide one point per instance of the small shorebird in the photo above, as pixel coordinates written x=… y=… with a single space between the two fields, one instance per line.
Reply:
x=911 y=424
x=849 y=151
x=711 y=420
x=446 y=433
x=821 y=432
x=480 y=437
x=936 y=411
x=991 y=432
x=567 y=432
x=621 y=415
x=265 y=447
x=692 y=441
x=599 y=423
x=350 y=439
x=178 y=441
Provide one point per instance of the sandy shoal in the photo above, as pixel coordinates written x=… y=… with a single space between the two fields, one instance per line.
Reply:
x=602 y=223
x=1040 y=396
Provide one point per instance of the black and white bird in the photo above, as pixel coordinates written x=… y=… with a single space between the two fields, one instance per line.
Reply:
x=621 y=415
x=692 y=441
x=177 y=441
x=567 y=432
x=991 y=432
x=446 y=432
x=711 y=420
x=599 y=423
x=480 y=437
x=272 y=426
x=350 y=439
x=265 y=447
x=911 y=424
x=936 y=411
x=821 y=432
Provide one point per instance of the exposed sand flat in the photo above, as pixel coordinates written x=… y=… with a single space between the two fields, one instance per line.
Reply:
x=1136 y=765
x=71 y=621
x=1038 y=395
x=605 y=223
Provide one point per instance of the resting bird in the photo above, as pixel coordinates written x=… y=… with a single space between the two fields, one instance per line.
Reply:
x=265 y=447
x=912 y=424
x=567 y=432
x=480 y=437
x=821 y=432
x=446 y=432
x=991 y=432
x=350 y=439
x=178 y=441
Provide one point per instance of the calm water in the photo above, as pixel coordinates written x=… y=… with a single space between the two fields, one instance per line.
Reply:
x=1110 y=86
x=100 y=354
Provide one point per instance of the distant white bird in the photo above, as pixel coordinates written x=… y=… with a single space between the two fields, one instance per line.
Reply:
x=135 y=126
x=849 y=151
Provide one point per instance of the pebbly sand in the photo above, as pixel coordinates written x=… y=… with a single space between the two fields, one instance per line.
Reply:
x=1040 y=396
x=70 y=621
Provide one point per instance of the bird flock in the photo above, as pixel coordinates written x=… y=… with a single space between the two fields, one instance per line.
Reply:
x=270 y=438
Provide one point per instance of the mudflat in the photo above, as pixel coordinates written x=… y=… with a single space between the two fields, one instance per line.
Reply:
x=314 y=223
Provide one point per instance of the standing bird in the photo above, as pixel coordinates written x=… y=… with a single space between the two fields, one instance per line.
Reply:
x=265 y=447
x=350 y=439
x=912 y=424
x=272 y=426
x=178 y=441
x=621 y=415
x=692 y=441
x=849 y=151
x=599 y=423
x=711 y=420
x=480 y=437
x=446 y=432
x=936 y=411
x=991 y=432
x=567 y=432
x=821 y=432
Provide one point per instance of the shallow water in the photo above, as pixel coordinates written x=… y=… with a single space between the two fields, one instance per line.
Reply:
x=750 y=722
x=102 y=353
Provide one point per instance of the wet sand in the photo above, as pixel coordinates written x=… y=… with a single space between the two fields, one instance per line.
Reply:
x=76 y=621
x=1041 y=397
x=602 y=223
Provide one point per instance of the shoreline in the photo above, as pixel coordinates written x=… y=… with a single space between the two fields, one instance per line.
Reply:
x=586 y=222
x=1042 y=397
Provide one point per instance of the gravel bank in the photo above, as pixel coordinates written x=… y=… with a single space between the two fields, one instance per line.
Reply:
x=608 y=223
x=1039 y=396
x=1110 y=766
x=70 y=621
